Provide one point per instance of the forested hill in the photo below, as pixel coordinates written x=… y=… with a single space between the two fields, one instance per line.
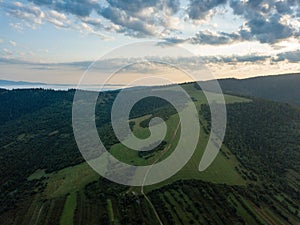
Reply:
x=20 y=102
x=282 y=88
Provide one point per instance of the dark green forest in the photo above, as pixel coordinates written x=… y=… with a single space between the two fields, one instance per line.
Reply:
x=265 y=138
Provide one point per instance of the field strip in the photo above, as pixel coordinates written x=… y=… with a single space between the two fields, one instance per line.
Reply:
x=142 y=187
x=264 y=216
x=38 y=216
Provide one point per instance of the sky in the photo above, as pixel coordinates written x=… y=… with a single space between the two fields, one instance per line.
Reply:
x=54 y=41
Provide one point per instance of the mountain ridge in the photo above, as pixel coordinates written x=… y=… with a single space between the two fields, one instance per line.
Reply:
x=280 y=88
x=11 y=82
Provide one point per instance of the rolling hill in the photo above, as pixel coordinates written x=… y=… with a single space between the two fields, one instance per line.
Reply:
x=282 y=88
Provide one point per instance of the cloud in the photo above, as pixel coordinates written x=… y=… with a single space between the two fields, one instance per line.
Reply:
x=29 y=13
x=13 y=43
x=269 y=30
x=205 y=37
x=132 y=6
x=172 y=41
x=128 y=24
x=85 y=28
x=77 y=7
x=7 y=52
x=96 y=22
x=268 y=21
x=192 y=63
x=199 y=9
x=58 y=19
x=292 y=57
x=33 y=16
x=134 y=18
x=265 y=19
x=283 y=7
x=137 y=6
x=8 y=60
x=16 y=26
x=210 y=38
x=141 y=18
x=251 y=58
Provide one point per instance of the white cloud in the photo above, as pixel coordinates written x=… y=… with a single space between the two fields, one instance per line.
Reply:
x=16 y=26
x=28 y=13
x=57 y=15
x=85 y=28
x=58 y=19
x=13 y=43
x=7 y=52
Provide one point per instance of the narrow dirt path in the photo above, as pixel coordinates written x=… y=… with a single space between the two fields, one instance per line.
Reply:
x=161 y=155
x=38 y=216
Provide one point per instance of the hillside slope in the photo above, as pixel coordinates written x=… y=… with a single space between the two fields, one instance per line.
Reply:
x=282 y=88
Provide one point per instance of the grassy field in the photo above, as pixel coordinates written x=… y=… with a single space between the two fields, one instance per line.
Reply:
x=69 y=209
x=38 y=174
x=69 y=180
x=221 y=171
x=110 y=212
x=201 y=99
x=130 y=156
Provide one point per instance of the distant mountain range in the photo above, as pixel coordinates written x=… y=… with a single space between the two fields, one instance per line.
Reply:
x=8 y=84
x=13 y=83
